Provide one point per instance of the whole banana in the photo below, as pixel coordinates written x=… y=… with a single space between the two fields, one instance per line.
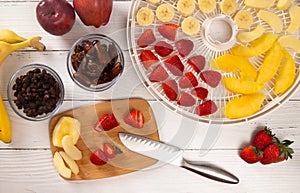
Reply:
x=5 y=127
x=10 y=36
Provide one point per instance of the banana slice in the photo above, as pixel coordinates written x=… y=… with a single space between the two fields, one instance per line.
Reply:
x=283 y=4
x=228 y=6
x=259 y=4
x=186 y=7
x=145 y=16
x=190 y=26
x=246 y=37
x=243 y=19
x=271 y=19
x=153 y=2
x=294 y=13
x=165 y=12
x=207 y=6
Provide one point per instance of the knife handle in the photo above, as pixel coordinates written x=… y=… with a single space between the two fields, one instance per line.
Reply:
x=211 y=172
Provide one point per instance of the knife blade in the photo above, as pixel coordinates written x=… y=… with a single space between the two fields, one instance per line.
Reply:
x=174 y=155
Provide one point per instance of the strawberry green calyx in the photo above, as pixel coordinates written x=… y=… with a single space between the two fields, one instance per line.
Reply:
x=285 y=151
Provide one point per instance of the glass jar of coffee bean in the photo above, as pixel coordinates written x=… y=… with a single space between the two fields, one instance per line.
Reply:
x=95 y=62
x=35 y=92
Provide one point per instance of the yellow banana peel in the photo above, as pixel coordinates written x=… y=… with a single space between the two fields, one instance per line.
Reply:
x=9 y=36
x=5 y=126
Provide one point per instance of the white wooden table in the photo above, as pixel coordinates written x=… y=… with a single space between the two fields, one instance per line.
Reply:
x=26 y=164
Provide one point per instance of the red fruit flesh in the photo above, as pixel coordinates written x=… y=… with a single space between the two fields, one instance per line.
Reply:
x=197 y=63
x=148 y=58
x=263 y=138
x=210 y=77
x=206 y=108
x=175 y=65
x=158 y=74
x=146 y=38
x=186 y=100
x=170 y=88
x=109 y=150
x=184 y=47
x=106 y=122
x=188 y=81
x=98 y=157
x=135 y=118
x=200 y=92
x=168 y=31
x=251 y=154
x=163 y=49
x=93 y=12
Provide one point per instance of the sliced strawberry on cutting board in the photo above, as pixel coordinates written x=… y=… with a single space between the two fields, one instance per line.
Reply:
x=135 y=118
x=98 y=157
x=197 y=63
x=184 y=47
x=175 y=65
x=111 y=150
x=211 y=77
x=170 y=88
x=206 y=108
x=146 y=38
x=158 y=74
x=106 y=122
x=186 y=99
x=168 y=31
x=188 y=80
x=251 y=154
x=200 y=92
x=148 y=58
x=163 y=48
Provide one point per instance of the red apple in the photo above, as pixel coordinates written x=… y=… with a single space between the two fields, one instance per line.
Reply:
x=93 y=12
x=57 y=17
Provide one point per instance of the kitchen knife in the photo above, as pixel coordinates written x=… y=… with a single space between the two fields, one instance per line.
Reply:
x=174 y=155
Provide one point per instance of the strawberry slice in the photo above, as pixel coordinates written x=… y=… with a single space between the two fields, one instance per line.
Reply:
x=188 y=81
x=186 y=100
x=163 y=48
x=184 y=47
x=168 y=31
x=135 y=118
x=106 y=122
x=146 y=38
x=111 y=150
x=197 y=63
x=206 y=108
x=200 y=92
x=170 y=88
x=148 y=58
x=175 y=65
x=210 y=77
x=98 y=157
x=158 y=74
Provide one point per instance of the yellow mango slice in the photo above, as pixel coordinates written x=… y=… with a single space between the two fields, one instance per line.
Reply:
x=273 y=20
x=290 y=42
x=286 y=74
x=294 y=13
x=232 y=63
x=249 y=36
x=260 y=4
x=241 y=86
x=283 y=4
x=243 y=106
x=257 y=47
x=270 y=64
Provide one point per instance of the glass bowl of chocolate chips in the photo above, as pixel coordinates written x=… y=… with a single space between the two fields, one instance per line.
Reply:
x=95 y=62
x=35 y=92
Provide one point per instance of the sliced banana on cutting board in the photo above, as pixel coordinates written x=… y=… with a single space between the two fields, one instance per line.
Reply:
x=228 y=6
x=145 y=16
x=243 y=19
x=207 y=6
x=186 y=7
x=165 y=12
x=190 y=26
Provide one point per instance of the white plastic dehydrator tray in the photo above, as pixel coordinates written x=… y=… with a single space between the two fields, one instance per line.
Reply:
x=221 y=29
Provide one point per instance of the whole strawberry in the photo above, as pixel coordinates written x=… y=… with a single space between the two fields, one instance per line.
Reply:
x=251 y=154
x=263 y=138
x=277 y=152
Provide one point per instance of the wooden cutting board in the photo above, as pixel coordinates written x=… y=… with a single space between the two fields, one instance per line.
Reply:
x=90 y=139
